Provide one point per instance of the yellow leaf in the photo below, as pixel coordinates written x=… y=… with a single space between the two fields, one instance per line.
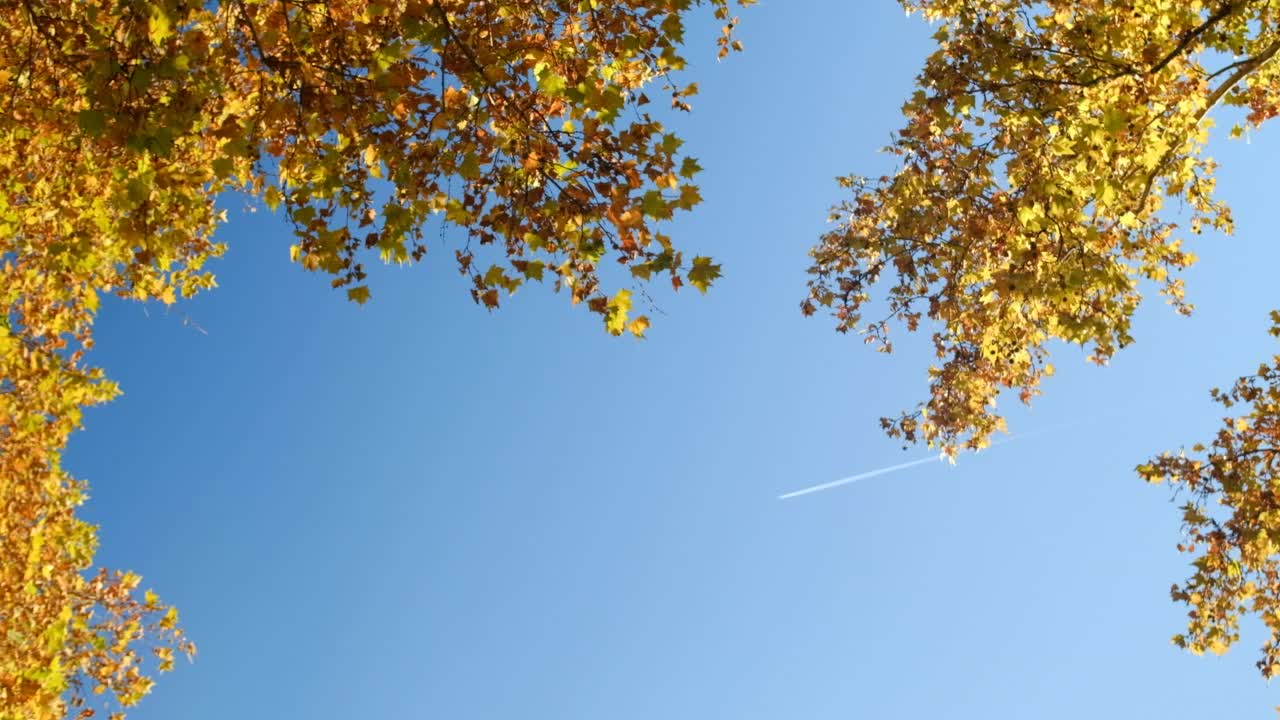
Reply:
x=159 y=26
x=616 y=313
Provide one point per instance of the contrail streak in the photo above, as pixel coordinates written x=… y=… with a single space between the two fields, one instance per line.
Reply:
x=859 y=476
x=910 y=464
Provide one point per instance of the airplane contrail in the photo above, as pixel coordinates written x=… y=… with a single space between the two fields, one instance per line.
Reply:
x=859 y=476
x=910 y=464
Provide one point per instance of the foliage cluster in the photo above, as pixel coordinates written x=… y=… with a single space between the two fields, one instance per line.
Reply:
x=522 y=121
x=1047 y=148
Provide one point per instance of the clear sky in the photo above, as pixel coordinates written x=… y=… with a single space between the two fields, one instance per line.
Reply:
x=417 y=509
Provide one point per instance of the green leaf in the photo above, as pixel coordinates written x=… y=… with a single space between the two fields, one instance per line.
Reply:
x=654 y=205
x=1114 y=119
x=703 y=273
x=533 y=270
x=470 y=167
x=139 y=190
x=223 y=167
x=550 y=83
x=92 y=122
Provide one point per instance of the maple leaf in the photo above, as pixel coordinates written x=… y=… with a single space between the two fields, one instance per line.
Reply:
x=703 y=273
x=359 y=294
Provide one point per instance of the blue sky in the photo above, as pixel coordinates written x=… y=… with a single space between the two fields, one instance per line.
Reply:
x=419 y=509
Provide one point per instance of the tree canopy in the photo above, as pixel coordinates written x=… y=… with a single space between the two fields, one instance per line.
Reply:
x=522 y=121
x=1051 y=161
